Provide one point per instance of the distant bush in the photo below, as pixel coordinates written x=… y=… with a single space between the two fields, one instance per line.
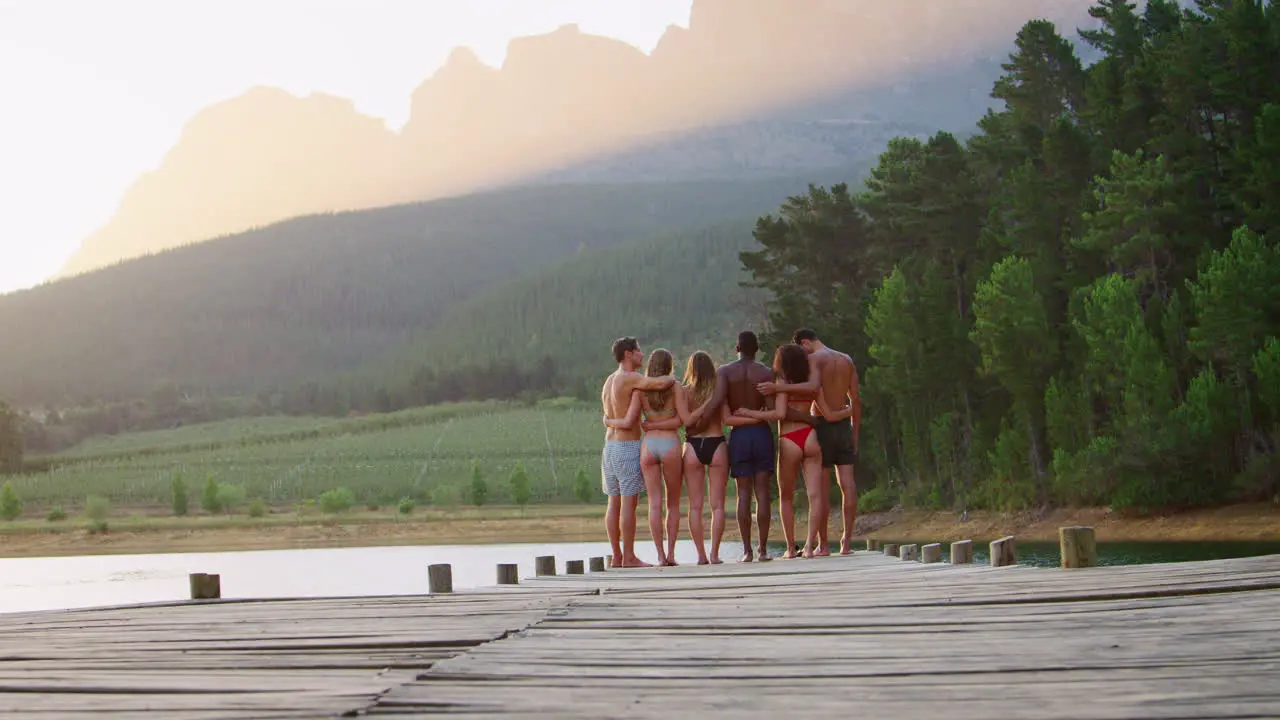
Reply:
x=96 y=508
x=336 y=501
x=209 y=498
x=230 y=497
x=10 y=503
x=520 y=491
x=56 y=515
x=582 y=487
x=876 y=499
x=179 y=495
x=479 y=488
x=257 y=508
x=406 y=506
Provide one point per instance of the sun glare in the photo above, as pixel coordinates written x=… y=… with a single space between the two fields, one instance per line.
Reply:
x=92 y=104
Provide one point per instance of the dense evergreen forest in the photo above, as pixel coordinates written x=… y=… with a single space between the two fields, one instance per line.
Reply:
x=1080 y=304
x=295 y=302
x=680 y=292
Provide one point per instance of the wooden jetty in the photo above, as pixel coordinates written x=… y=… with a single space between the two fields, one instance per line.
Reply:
x=868 y=635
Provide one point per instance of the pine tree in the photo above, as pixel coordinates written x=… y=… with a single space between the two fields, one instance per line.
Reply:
x=520 y=491
x=179 y=495
x=10 y=503
x=479 y=488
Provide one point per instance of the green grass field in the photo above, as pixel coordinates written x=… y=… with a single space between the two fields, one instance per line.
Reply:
x=424 y=453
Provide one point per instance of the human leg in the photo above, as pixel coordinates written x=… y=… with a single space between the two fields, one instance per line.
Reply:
x=745 y=486
x=673 y=479
x=695 y=479
x=651 y=470
x=789 y=457
x=613 y=529
x=817 y=487
x=628 y=524
x=764 y=510
x=718 y=485
x=849 y=505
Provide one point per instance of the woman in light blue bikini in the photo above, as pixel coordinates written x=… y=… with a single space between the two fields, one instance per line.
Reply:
x=661 y=461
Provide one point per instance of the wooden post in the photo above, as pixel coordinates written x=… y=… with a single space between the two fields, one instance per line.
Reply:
x=574 y=567
x=205 y=586
x=544 y=565
x=872 y=545
x=1003 y=552
x=890 y=549
x=909 y=552
x=962 y=552
x=931 y=553
x=440 y=579
x=1077 y=546
x=508 y=574
x=597 y=564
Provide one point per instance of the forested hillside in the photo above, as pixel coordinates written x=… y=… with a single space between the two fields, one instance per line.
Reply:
x=302 y=299
x=1081 y=304
x=680 y=292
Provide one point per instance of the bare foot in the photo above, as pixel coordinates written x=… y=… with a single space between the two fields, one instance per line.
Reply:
x=822 y=551
x=670 y=561
x=846 y=546
x=747 y=557
x=764 y=556
x=715 y=560
x=807 y=552
x=703 y=561
x=635 y=563
x=614 y=562
x=790 y=555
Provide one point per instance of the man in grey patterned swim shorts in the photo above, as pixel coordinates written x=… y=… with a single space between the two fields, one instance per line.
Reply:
x=620 y=461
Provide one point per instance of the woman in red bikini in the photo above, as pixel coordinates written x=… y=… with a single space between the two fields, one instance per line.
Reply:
x=797 y=447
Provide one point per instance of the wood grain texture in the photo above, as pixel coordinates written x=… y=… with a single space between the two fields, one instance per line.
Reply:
x=793 y=638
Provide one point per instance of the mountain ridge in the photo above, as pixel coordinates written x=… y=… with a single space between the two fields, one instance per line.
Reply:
x=560 y=99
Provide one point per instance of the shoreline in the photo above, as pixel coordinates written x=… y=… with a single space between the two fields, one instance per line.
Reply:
x=1259 y=522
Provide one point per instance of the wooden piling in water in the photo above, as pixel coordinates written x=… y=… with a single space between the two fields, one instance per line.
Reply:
x=597 y=564
x=931 y=553
x=962 y=552
x=544 y=565
x=574 y=567
x=205 y=586
x=1077 y=547
x=1003 y=552
x=508 y=574
x=909 y=553
x=440 y=579
x=872 y=545
x=890 y=549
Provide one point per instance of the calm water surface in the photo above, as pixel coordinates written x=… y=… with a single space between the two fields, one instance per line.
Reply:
x=78 y=582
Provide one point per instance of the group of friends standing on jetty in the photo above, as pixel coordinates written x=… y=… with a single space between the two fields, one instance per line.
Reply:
x=811 y=392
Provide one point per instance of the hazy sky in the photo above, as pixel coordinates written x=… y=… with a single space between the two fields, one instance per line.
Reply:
x=95 y=91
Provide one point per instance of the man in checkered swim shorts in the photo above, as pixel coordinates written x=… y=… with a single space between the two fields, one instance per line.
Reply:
x=620 y=461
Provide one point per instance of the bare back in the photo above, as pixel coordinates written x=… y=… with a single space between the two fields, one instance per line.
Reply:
x=837 y=376
x=741 y=377
x=616 y=398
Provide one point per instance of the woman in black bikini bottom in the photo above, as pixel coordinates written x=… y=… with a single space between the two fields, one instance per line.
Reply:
x=706 y=449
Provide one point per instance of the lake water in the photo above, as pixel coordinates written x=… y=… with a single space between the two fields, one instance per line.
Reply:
x=92 y=581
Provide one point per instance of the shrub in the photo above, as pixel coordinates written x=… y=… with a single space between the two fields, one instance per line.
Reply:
x=479 y=488
x=257 y=508
x=877 y=499
x=230 y=497
x=96 y=509
x=582 y=487
x=10 y=503
x=56 y=515
x=520 y=491
x=209 y=498
x=336 y=501
x=179 y=495
x=406 y=506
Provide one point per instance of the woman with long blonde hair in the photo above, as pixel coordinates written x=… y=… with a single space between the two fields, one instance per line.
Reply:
x=660 y=462
x=705 y=449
